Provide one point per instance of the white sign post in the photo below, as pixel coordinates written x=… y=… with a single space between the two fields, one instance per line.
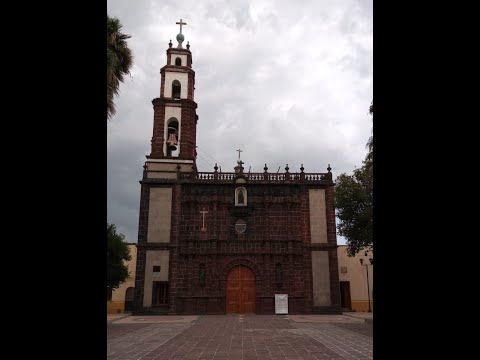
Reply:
x=281 y=304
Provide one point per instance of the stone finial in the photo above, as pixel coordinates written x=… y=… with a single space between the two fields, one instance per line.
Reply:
x=287 y=168
x=239 y=167
x=265 y=168
x=215 y=167
x=302 y=168
x=329 y=168
x=170 y=43
x=188 y=45
x=180 y=39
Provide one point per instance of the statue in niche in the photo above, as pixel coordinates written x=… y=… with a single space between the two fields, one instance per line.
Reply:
x=240 y=197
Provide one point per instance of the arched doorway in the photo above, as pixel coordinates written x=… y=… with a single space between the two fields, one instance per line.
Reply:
x=129 y=299
x=240 y=290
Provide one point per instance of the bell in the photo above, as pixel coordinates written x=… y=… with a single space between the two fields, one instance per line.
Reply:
x=172 y=140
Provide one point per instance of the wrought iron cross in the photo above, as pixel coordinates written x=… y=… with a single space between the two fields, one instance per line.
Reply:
x=239 y=151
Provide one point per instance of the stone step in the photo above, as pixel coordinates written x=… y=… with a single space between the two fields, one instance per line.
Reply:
x=152 y=311
x=326 y=310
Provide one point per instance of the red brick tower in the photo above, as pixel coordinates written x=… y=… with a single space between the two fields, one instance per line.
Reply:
x=175 y=118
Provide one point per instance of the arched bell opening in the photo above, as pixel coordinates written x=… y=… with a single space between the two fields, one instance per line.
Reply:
x=176 y=89
x=172 y=137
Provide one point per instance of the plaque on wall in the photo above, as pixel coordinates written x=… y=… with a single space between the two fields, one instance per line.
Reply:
x=281 y=304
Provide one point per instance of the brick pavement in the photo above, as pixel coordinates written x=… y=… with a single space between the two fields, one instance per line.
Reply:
x=245 y=337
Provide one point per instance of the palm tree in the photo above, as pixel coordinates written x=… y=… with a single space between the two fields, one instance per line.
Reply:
x=119 y=61
x=369 y=157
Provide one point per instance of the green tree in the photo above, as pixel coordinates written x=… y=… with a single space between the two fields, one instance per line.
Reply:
x=119 y=61
x=354 y=203
x=369 y=157
x=117 y=253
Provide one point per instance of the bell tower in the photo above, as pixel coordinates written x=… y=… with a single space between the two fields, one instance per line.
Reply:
x=172 y=159
x=175 y=118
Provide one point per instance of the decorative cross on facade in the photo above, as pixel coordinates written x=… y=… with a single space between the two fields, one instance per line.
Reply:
x=203 y=212
x=239 y=151
x=180 y=23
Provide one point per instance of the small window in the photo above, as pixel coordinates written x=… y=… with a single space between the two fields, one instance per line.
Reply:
x=156 y=269
x=201 y=275
x=343 y=269
x=240 y=226
x=178 y=61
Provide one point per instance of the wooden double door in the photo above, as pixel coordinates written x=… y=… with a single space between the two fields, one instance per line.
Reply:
x=240 y=291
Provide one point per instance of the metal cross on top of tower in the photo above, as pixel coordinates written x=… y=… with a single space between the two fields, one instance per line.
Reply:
x=239 y=151
x=181 y=23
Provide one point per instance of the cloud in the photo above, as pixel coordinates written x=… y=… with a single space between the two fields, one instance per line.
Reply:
x=288 y=82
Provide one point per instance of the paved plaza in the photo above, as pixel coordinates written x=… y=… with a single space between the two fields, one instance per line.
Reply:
x=232 y=337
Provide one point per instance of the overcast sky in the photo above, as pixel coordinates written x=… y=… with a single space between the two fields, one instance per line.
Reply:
x=288 y=82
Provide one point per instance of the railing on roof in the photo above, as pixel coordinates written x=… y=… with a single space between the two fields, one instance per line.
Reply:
x=221 y=177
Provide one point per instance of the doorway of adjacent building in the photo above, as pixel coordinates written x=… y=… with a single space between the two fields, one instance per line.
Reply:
x=160 y=293
x=345 y=299
x=240 y=291
x=129 y=299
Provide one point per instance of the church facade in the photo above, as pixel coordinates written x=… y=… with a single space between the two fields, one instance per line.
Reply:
x=227 y=242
